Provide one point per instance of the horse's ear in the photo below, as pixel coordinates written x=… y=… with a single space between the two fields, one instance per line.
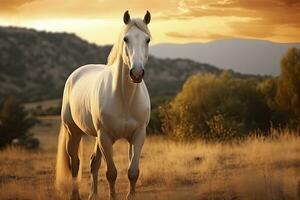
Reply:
x=147 y=17
x=126 y=17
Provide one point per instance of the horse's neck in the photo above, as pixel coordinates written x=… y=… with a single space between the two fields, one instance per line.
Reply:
x=122 y=84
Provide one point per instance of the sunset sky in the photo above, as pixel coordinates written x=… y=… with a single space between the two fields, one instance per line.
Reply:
x=175 y=21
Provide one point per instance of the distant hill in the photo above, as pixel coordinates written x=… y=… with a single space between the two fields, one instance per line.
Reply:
x=241 y=55
x=34 y=65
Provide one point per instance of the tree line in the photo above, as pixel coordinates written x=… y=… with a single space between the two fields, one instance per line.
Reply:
x=222 y=108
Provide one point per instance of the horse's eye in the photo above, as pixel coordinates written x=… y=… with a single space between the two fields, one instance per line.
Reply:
x=125 y=39
x=148 y=40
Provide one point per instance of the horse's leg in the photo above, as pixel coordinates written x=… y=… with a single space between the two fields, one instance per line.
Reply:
x=95 y=163
x=133 y=171
x=73 y=141
x=129 y=152
x=107 y=151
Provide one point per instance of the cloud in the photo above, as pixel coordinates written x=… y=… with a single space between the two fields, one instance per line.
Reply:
x=290 y=2
x=270 y=11
x=207 y=36
x=260 y=18
x=181 y=35
x=11 y=6
x=38 y=9
x=253 y=29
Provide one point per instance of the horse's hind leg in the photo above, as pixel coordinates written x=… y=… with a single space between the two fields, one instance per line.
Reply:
x=73 y=142
x=135 y=148
x=105 y=143
x=95 y=163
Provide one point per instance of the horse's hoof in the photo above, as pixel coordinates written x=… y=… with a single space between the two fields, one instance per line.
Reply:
x=130 y=196
x=75 y=195
x=93 y=197
x=112 y=197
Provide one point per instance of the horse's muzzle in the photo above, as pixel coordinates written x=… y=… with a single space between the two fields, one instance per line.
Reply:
x=137 y=74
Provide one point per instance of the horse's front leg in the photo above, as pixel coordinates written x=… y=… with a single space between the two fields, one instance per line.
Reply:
x=136 y=145
x=105 y=143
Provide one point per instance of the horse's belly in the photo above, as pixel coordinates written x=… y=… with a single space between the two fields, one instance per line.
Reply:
x=85 y=123
x=82 y=116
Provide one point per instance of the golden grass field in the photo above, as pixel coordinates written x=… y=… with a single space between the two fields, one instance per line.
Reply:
x=253 y=169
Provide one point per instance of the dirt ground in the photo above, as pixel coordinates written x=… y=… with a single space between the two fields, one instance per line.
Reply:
x=254 y=169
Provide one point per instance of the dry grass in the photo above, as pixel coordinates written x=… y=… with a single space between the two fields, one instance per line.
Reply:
x=43 y=104
x=254 y=169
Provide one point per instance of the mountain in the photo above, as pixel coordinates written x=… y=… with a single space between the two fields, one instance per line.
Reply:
x=241 y=55
x=35 y=64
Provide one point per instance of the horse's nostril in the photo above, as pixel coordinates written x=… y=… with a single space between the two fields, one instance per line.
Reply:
x=143 y=73
x=131 y=73
x=136 y=71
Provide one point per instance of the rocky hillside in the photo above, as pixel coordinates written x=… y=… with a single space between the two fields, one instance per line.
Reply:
x=34 y=65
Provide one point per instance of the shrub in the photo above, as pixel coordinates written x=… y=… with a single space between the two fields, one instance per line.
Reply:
x=215 y=108
x=15 y=124
x=154 y=126
x=288 y=92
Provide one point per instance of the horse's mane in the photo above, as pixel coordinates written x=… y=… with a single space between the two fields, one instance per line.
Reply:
x=116 y=50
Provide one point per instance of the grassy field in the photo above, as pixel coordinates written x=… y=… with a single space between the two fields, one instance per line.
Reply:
x=253 y=169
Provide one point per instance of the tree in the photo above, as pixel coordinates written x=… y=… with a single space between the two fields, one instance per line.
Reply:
x=216 y=108
x=15 y=123
x=268 y=88
x=288 y=93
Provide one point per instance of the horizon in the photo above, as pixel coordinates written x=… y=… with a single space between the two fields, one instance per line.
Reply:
x=161 y=43
x=173 y=21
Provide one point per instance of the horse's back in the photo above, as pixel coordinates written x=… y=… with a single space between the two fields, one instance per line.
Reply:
x=83 y=78
x=85 y=70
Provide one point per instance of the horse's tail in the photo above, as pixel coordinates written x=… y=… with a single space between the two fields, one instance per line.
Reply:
x=63 y=169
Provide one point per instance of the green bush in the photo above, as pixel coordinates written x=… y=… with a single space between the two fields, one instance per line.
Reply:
x=216 y=108
x=288 y=92
x=15 y=123
x=268 y=88
x=154 y=126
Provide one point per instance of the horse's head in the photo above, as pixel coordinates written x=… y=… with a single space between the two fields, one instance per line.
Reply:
x=136 y=44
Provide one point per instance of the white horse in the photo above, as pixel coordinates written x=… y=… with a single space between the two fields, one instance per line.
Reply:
x=108 y=102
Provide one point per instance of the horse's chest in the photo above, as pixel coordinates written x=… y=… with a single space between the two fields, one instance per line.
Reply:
x=119 y=124
x=123 y=119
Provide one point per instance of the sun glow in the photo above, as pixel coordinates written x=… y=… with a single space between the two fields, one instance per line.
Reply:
x=173 y=21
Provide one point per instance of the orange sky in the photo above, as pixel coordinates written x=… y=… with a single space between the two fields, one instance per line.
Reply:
x=176 y=21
